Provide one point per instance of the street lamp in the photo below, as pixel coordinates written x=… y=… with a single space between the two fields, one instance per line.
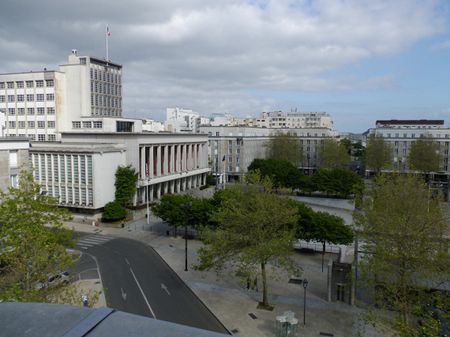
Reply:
x=305 y=285
x=186 y=208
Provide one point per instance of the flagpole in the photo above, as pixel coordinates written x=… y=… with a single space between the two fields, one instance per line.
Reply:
x=106 y=43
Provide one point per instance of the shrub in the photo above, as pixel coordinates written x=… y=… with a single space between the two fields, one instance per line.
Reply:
x=113 y=212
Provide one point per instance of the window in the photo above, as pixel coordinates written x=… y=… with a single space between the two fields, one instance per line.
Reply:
x=40 y=97
x=49 y=83
x=21 y=111
x=2 y=85
x=29 y=84
x=19 y=84
x=11 y=111
x=98 y=124
x=41 y=138
x=41 y=124
x=30 y=111
x=39 y=83
x=32 y=137
x=31 y=124
x=50 y=111
x=87 y=125
x=11 y=98
x=52 y=138
x=14 y=180
x=50 y=97
x=76 y=125
x=10 y=85
x=2 y=98
x=21 y=124
x=40 y=111
x=20 y=98
x=13 y=158
x=12 y=124
x=51 y=124
x=30 y=98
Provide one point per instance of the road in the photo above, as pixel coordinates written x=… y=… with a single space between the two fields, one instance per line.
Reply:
x=137 y=280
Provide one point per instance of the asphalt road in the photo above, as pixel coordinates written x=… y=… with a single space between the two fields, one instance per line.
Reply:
x=137 y=280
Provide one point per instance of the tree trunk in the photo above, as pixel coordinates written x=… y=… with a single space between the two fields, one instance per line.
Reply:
x=265 y=302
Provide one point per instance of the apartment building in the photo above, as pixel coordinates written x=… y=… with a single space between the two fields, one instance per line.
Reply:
x=294 y=120
x=401 y=134
x=42 y=104
x=232 y=149
x=13 y=158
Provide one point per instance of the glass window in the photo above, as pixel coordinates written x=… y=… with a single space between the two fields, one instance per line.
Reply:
x=40 y=111
x=41 y=124
x=12 y=124
x=30 y=98
x=10 y=85
x=2 y=98
x=76 y=125
x=51 y=124
x=40 y=97
x=39 y=83
x=30 y=111
x=87 y=125
x=41 y=138
x=2 y=85
x=29 y=84
x=49 y=83
x=50 y=111
x=98 y=124
x=50 y=97
x=20 y=98
x=31 y=124
x=11 y=111
x=21 y=124
x=11 y=98
x=51 y=138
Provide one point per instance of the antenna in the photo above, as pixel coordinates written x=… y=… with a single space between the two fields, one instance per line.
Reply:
x=107 y=35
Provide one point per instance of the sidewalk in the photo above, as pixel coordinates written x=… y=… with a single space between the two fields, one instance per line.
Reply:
x=227 y=297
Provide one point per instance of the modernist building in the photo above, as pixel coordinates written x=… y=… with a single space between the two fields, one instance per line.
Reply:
x=13 y=157
x=42 y=104
x=400 y=134
x=232 y=149
x=183 y=120
x=294 y=120
x=80 y=170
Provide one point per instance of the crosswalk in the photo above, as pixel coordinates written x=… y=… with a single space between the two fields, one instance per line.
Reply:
x=93 y=240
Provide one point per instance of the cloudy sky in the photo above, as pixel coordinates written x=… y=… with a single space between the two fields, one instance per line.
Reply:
x=359 y=60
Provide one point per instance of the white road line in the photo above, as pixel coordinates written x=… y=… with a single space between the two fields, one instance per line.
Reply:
x=83 y=247
x=126 y=260
x=143 y=295
x=95 y=239
x=85 y=244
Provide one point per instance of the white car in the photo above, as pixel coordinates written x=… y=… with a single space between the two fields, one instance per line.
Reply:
x=54 y=280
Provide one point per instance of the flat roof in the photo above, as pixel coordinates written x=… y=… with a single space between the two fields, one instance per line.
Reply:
x=31 y=72
x=76 y=147
x=411 y=121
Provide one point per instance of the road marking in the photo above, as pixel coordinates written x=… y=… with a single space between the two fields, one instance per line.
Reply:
x=143 y=295
x=164 y=287
x=126 y=260
x=84 y=247
x=124 y=294
x=86 y=244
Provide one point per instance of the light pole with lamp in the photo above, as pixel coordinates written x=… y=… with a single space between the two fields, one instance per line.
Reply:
x=147 y=197
x=186 y=208
x=305 y=285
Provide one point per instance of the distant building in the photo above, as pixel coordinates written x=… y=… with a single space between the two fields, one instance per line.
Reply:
x=150 y=125
x=232 y=149
x=183 y=120
x=42 y=104
x=400 y=134
x=13 y=157
x=294 y=120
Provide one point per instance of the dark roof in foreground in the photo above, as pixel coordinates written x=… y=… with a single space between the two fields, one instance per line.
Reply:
x=58 y=320
x=411 y=121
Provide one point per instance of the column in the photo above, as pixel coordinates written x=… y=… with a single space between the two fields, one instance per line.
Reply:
x=178 y=158
x=172 y=158
x=150 y=161
x=178 y=184
x=166 y=159
x=158 y=191
x=158 y=161
x=150 y=191
x=142 y=162
x=172 y=186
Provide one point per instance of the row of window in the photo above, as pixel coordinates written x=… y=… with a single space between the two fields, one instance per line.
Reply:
x=106 y=112
x=28 y=84
x=101 y=75
x=32 y=137
x=106 y=101
x=87 y=124
x=29 y=98
x=31 y=124
x=413 y=135
x=31 y=111
x=106 y=88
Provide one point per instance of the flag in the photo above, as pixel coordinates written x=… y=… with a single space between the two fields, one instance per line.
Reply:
x=223 y=159
x=108 y=33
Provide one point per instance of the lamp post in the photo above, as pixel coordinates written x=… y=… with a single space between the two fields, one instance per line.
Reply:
x=305 y=285
x=186 y=208
x=147 y=197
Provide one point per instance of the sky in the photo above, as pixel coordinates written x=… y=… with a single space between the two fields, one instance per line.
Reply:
x=359 y=60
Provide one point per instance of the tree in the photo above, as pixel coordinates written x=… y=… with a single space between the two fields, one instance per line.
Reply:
x=322 y=227
x=405 y=238
x=338 y=181
x=282 y=172
x=171 y=209
x=255 y=229
x=113 y=211
x=285 y=146
x=378 y=153
x=424 y=156
x=31 y=239
x=333 y=155
x=126 y=179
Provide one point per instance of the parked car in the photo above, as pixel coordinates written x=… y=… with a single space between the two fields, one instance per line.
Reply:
x=54 y=280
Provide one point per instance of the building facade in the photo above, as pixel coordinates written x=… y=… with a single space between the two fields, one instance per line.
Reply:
x=13 y=157
x=294 y=120
x=232 y=149
x=401 y=134
x=42 y=104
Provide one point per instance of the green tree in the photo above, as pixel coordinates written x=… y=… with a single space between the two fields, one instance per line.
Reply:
x=172 y=208
x=405 y=239
x=378 y=154
x=333 y=154
x=113 y=211
x=31 y=239
x=338 y=181
x=285 y=146
x=255 y=229
x=424 y=156
x=126 y=179
x=282 y=172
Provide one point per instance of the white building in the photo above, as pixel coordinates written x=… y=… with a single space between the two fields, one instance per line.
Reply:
x=400 y=134
x=232 y=149
x=182 y=120
x=279 y=119
x=42 y=104
x=80 y=170
x=150 y=125
x=13 y=158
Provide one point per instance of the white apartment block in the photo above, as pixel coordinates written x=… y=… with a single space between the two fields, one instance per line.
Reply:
x=182 y=120
x=150 y=125
x=400 y=134
x=232 y=149
x=294 y=120
x=42 y=104
x=80 y=170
